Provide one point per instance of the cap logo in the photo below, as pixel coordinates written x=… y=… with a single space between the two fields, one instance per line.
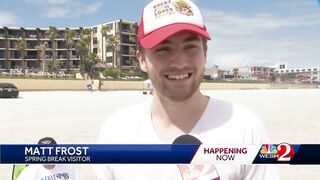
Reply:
x=166 y=8
x=183 y=7
x=164 y=18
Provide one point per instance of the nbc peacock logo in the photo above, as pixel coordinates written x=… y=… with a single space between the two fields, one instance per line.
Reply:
x=268 y=151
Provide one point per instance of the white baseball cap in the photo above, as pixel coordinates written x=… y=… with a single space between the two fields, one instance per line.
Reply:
x=163 y=18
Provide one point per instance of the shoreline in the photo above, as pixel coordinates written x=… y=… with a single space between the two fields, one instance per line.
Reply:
x=81 y=85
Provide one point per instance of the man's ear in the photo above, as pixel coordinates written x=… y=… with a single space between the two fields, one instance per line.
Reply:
x=205 y=50
x=141 y=57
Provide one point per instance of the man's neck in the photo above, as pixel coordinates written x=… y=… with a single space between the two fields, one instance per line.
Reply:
x=177 y=117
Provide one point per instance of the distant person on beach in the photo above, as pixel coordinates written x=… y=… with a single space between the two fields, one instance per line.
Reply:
x=48 y=171
x=173 y=51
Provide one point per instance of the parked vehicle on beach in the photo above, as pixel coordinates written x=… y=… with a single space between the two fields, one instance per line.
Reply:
x=8 y=90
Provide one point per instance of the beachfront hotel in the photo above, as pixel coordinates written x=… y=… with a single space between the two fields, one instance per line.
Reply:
x=281 y=74
x=260 y=73
x=120 y=56
x=306 y=75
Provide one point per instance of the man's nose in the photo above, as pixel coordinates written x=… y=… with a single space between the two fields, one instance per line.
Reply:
x=179 y=60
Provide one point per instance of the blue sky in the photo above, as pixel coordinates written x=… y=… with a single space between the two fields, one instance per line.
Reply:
x=246 y=32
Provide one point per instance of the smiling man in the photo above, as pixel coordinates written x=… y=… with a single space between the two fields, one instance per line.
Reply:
x=173 y=50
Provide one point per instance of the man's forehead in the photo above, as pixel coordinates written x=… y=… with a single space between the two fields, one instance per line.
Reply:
x=183 y=37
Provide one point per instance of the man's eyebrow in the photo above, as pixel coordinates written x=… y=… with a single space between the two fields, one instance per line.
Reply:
x=192 y=38
x=164 y=42
x=188 y=39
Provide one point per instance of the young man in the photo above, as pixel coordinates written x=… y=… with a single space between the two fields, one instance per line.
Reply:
x=49 y=171
x=173 y=52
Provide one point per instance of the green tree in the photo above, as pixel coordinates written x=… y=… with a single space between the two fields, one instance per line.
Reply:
x=93 y=58
x=22 y=46
x=87 y=36
x=53 y=66
x=104 y=30
x=82 y=49
x=69 y=38
x=113 y=42
x=52 y=34
x=136 y=71
x=90 y=60
x=42 y=47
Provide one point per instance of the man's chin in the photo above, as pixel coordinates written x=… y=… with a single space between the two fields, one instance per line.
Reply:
x=179 y=96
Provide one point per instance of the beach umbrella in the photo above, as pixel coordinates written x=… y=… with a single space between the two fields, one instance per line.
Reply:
x=99 y=66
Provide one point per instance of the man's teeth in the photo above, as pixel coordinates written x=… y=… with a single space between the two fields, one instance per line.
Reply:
x=176 y=77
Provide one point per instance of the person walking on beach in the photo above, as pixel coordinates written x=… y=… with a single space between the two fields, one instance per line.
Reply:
x=49 y=171
x=173 y=50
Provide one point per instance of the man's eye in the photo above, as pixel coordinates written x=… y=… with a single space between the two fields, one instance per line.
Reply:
x=163 y=49
x=190 y=46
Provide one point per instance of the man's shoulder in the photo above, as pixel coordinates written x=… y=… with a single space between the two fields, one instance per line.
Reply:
x=230 y=121
x=231 y=109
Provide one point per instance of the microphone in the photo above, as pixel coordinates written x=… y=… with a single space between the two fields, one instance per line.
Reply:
x=186 y=139
x=189 y=172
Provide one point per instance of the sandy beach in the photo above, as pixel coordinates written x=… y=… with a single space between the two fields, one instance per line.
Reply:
x=81 y=85
x=290 y=115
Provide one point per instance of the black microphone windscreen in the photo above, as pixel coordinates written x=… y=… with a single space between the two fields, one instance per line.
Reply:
x=186 y=139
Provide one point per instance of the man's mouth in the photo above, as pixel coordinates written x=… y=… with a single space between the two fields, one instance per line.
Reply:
x=178 y=76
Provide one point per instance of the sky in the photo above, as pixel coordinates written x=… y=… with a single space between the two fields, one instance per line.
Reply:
x=244 y=33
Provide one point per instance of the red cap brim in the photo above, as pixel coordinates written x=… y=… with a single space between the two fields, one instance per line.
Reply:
x=152 y=39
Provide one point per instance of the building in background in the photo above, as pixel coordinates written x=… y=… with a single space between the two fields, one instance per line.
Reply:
x=211 y=73
x=11 y=56
x=119 y=53
x=118 y=45
x=257 y=73
x=301 y=75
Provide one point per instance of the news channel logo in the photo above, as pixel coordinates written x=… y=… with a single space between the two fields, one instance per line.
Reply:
x=282 y=152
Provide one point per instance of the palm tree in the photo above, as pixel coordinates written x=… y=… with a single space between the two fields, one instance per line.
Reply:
x=113 y=42
x=69 y=38
x=90 y=60
x=93 y=58
x=22 y=46
x=235 y=73
x=104 y=30
x=82 y=49
x=53 y=67
x=42 y=48
x=52 y=34
x=87 y=36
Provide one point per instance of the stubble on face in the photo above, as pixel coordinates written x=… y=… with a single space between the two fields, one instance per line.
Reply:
x=175 y=93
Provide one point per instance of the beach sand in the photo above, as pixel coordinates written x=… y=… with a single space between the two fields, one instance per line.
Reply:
x=76 y=117
x=81 y=85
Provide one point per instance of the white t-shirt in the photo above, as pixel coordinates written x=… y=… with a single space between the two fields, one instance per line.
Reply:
x=221 y=123
x=39 y=172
